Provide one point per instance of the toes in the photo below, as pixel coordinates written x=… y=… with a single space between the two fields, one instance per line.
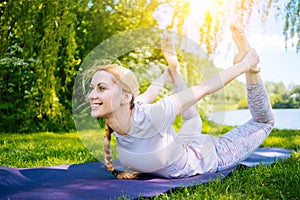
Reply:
x=235 y=27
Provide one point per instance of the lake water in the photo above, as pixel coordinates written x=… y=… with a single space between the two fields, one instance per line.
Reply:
x=284 y=118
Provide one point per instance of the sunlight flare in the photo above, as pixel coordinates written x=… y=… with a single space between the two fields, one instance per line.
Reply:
x=201 y=6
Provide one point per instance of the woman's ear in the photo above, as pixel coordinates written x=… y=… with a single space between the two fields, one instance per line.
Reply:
x=126 y=97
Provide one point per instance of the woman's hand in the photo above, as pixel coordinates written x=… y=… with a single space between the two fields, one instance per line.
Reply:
x=250 y=61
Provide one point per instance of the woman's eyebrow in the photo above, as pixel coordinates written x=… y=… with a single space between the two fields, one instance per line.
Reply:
x=98 y=84
x=101 y=83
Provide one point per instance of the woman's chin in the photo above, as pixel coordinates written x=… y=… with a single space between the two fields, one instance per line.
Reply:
x=96 y=114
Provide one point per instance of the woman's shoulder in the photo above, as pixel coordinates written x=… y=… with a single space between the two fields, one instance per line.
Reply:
x=159 y=115
x=141 y=112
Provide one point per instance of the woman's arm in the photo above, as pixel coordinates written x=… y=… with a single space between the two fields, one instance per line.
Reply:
x=152 y=91
x=172 y=72
x=190 y=96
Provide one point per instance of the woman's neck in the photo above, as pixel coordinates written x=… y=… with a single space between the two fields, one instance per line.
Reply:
x=120 y=120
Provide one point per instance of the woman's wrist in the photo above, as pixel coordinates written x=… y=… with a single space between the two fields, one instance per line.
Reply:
x=247 y=68
x=242 y=67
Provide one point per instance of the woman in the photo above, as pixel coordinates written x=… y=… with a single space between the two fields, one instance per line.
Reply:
x=146 y=141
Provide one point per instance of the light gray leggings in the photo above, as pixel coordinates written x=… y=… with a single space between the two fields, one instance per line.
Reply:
x=237 y=144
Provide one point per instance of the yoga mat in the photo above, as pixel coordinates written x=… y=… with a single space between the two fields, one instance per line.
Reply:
x=92 y=181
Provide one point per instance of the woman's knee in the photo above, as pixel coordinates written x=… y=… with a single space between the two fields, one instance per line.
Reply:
x=268 y=119
x=271 y=120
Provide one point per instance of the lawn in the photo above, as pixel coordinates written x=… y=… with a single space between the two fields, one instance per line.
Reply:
x=278 y=181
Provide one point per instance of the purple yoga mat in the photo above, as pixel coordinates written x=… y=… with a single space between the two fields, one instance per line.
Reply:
x=92 y=181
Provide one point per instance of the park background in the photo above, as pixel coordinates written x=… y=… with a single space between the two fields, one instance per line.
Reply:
x=43 y=44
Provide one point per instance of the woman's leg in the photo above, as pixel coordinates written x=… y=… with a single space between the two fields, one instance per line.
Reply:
x=192 y=123
x=179 y=85
x=169 y=51
x=239 y=143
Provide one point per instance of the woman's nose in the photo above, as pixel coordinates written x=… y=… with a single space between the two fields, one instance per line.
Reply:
x=92 y=95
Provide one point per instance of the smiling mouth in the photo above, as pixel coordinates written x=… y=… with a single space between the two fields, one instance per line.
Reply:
x=95 y=106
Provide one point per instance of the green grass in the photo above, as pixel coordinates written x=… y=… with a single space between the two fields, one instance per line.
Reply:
x=278 y=181
x=42 y=149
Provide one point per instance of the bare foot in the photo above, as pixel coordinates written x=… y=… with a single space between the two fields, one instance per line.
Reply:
x=239 y=37
x=169 y=52
x=245 y=53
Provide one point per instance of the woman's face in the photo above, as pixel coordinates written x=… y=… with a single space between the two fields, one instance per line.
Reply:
x=105 y=96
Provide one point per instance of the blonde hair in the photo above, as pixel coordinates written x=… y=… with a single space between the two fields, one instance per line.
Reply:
x=126 y=79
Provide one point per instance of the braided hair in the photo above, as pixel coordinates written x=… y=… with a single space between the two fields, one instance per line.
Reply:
x=108 y=157
x=127 y=80
x=108 y=130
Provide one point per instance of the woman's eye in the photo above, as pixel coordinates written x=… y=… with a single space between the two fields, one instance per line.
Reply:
x=101 y=88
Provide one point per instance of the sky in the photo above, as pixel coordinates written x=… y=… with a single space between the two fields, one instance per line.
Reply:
x=277 y=63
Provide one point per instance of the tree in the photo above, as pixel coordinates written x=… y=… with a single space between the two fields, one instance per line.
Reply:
x=42 y=46
x=276 y=88
x=39 y=62
x=294 y=97
x=219 y=14
x=44 y=42
x=292 y=22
